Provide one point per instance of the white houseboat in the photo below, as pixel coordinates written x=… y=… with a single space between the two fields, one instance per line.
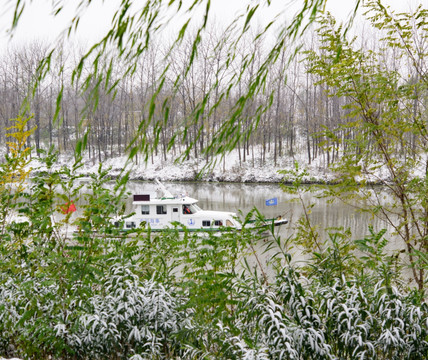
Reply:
x=167 y=210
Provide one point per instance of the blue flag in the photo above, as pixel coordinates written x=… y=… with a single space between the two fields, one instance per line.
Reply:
x=271 y=202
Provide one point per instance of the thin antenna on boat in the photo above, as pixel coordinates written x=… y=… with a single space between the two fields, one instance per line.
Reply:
x=166 y=193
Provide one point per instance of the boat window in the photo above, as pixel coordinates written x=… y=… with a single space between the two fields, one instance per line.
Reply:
x=229 y=223
x=174 y=209
x=145 y=209
x=195 y=208
x=161 y=209
x=130 y=224
x=187 y=209
x=218 y=223
x=190 y=209
x=206 y=223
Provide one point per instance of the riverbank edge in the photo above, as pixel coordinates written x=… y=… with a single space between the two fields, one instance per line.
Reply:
x=285 y=182
x=316 y=173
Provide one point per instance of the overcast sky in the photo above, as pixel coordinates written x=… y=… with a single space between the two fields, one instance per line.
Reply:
x=37 y=23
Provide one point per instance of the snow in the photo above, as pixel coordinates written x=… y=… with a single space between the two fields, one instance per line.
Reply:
x=227 y=169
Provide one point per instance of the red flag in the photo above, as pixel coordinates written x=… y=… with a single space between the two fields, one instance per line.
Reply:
x=68 y=208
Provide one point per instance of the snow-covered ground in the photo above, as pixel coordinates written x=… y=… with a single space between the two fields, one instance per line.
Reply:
x=227 y=169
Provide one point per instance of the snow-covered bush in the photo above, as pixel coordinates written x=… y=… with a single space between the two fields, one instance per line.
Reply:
x=30 y=310
x=297 y=319
x=129 y=317
x=125 y=316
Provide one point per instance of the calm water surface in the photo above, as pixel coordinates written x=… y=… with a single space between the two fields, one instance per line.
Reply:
x=244 y=197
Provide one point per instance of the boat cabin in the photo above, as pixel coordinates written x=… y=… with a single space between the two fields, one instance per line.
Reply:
x=163 y=212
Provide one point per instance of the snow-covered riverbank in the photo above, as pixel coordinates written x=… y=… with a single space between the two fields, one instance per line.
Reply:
x=230 y=168
x=227 y=169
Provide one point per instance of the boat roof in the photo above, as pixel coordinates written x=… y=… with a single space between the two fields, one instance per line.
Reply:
x=147 y=199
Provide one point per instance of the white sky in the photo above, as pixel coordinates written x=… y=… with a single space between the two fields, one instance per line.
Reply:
x=37 y=23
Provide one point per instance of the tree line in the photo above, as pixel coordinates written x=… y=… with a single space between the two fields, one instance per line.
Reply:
x=162 y=105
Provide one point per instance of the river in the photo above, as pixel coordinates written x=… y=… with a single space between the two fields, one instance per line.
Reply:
x=242 y=197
